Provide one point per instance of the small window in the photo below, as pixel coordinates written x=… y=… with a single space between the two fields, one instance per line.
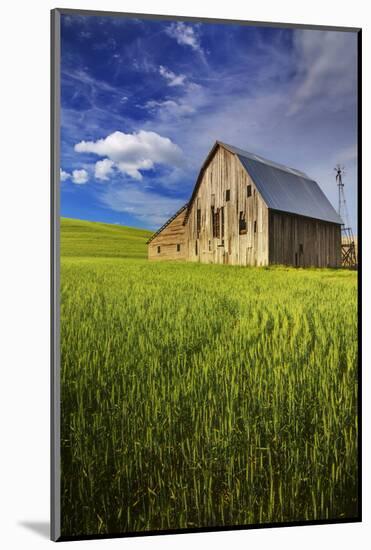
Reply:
x=255 y=226
x=209 y=246
x=198 y=222
x=158 y=249
x=248 y=189
x=196 y=248
x=215 y=221
x=301 y=248
x=178 y=247
x=242 y=224
x=227 y=195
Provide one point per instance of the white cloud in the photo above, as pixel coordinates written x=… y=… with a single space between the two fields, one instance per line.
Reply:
x=172 y=78
x=150 y=208
x=133 y=153
x=64 y=175
x=80 y=176
x=103 y=169
x=185 y=35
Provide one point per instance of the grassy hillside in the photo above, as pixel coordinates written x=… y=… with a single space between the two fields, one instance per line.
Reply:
x=92 y=239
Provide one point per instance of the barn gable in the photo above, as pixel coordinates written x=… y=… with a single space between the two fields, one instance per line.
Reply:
x=169 y=242
x=228 y=219
x=168 y=222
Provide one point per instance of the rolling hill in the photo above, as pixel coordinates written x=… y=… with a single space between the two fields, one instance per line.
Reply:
x=92 y=239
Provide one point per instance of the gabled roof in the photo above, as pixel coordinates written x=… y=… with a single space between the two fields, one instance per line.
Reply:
x=168 y=222
x=282 y=188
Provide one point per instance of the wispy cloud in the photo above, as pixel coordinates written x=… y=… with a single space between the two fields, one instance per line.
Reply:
x=169 y=107
x=185 y=35
x=81 y=76
x=172 y=78
x=326 y=69
x=152 y=209
x=192 y=98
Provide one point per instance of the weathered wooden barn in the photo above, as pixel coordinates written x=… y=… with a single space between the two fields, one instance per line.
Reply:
x=246 y=210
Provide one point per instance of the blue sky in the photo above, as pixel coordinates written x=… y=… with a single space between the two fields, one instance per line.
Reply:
x=143 y=101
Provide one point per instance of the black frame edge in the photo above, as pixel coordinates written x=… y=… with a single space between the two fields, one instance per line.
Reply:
x=195 y=19
x=225 y=528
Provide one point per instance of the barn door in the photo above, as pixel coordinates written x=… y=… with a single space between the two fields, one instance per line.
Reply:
x=301 y=255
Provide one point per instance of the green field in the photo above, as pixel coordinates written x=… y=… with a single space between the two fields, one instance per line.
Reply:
x=202 y=395
x=89 y=239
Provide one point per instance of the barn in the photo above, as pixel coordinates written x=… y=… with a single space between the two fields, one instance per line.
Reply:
x=247 y=210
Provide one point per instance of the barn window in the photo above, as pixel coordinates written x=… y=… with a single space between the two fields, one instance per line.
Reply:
x=178 y=247
x=215 y=217
x=227 y=195
x=255 y=226
x=209 y=246
x=248 y=190
x=217 y=223
x=198 y=222
x=158 y=249
x=301 y=248
x=222 y=220
x=196 y=248
x=242 y=224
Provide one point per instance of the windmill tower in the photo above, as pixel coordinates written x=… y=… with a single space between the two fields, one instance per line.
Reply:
x=348 y=248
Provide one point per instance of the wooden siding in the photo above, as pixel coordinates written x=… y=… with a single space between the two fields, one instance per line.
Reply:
x=303 y=242
x=224 y=172
x=168 y=239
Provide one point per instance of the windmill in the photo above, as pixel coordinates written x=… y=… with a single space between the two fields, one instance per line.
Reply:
x=348 y=248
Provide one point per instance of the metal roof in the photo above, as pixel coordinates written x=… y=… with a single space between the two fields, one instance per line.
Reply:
x=258 y=158
x=286 y=189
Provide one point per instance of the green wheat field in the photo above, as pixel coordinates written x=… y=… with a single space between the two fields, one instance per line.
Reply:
x=202 y=395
